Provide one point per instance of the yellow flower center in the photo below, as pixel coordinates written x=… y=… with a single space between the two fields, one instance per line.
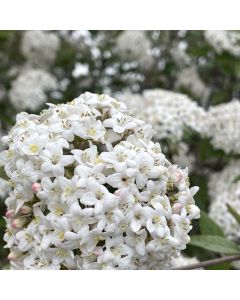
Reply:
x=59 y=211
x=34 y=148
x=91 y=131
x=61 y=236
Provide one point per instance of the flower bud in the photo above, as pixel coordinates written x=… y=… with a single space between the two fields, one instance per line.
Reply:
x=24 y=210
x=12 y=256
x=122 y=193
x=179 y=176
x=18 y=223
x=194 y=212
x=10 y=214
x=98 y=251
x=177 y=207
x=117 y=192
x=36 y=187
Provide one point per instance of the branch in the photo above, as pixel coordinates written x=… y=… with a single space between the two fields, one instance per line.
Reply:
x=208 y=263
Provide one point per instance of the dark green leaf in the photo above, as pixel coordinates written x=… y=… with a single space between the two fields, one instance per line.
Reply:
x=2 y=223
x=215 y=243
x=236 y=179
x=208 y=226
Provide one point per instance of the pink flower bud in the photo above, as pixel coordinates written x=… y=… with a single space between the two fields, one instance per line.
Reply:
x=177 y=208
x=179 y=176
x=36 y=187
x=12 y=256
x=24 y=210
x=98 y=251
x=117 y=192
x=18 y=223
x=121 y=193
x=10 y=214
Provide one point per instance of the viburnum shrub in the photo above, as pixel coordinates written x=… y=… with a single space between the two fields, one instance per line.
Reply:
x=90 y=190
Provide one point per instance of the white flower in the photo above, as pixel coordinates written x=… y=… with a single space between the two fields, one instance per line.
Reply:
x=120 y=122
x=86 y=157
x=118 y=157
x=157 y=225
x=54 y=161
x=26 y=239
x=144 y=169
x=32 y=145
x=87 y=172
x=50 y=190
x=115 y=249
x=139 y=215
x=69 y=189
x=64 y=257
x=137 y=241
x=86 y=197
x=81 y=218
x=90 y=129
x=99 y=196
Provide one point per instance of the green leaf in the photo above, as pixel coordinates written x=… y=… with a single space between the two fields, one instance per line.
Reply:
x=234 y=213
x=208 y=226
x=215 y=243
x=223 y=266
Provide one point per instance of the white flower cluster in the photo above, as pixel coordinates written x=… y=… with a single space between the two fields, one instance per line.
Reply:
x=224 y=40
x=40 y=47
x=92 y=191
x=222 y=126
x=169 y=113
x=29 y=89
x=189 y=79
x=133 y=45
x=225 y=188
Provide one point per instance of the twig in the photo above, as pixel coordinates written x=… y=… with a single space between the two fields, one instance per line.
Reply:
x=209 y=263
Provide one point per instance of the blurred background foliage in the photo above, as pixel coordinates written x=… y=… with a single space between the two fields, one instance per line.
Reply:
x=181 y=61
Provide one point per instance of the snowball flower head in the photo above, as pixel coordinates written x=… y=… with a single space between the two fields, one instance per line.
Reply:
x=40 y=47
x=133 y=45
x=29 y=89
x=224 y=40
x=222 y=126
x=224 y=188
x=168 y=112
x=92 y=191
